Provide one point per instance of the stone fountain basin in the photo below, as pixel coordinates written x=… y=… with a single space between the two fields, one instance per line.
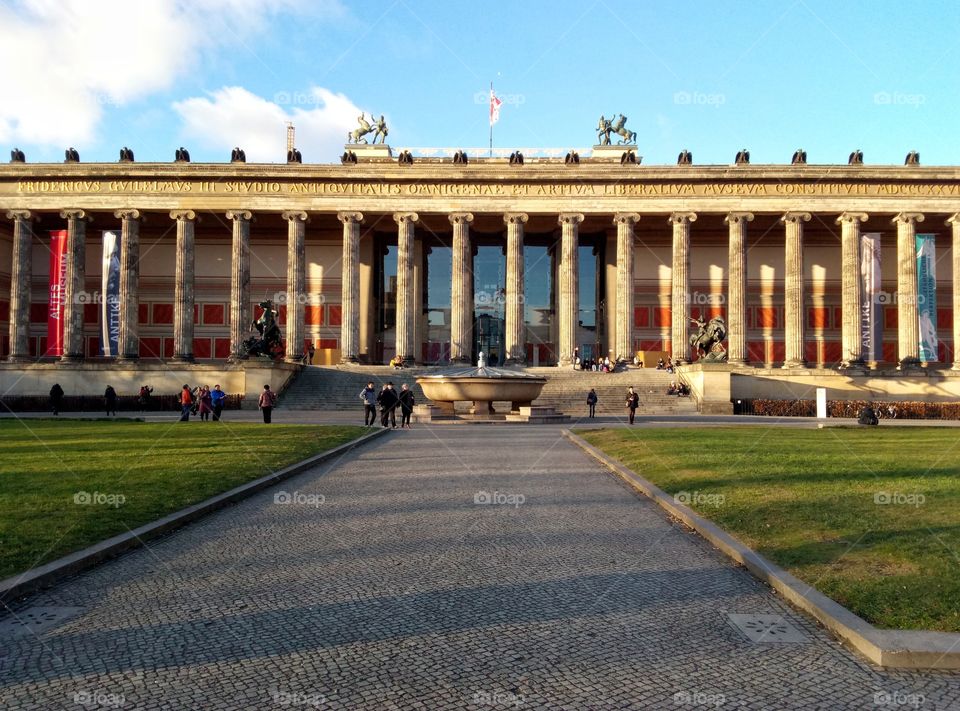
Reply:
x=477 y=389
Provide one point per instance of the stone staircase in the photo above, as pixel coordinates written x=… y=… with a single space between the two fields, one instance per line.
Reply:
x=338 y=388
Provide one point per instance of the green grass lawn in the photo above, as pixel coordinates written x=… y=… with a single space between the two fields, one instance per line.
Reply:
x=815 y=502
x=156 y=468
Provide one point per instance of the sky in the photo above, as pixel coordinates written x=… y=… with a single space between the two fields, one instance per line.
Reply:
x=711 y=77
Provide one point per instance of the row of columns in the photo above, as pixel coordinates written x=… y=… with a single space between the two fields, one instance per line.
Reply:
x=462 y=285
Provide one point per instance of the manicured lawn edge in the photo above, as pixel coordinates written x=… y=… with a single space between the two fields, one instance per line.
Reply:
x=53 y=572
x=892 y=649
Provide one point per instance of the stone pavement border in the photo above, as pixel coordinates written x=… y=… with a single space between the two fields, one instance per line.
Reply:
x=891 y=649
x=53 y=572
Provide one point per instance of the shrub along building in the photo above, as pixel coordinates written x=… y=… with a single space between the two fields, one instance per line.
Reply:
x=142 y=267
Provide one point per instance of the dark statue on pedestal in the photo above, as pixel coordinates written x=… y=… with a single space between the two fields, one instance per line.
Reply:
x=707 y=341
x=378 y=129
x=607 y=126
x=268 y=344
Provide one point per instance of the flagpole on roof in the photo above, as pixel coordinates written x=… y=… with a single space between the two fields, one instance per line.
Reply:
x=491 y=119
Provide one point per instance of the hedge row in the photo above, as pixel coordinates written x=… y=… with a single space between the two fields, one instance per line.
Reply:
x=905 y=410
x=86 y=403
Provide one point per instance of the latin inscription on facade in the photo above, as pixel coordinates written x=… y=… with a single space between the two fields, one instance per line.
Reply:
x=475 y=189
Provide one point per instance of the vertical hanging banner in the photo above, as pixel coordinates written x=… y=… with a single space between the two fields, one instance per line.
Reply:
x=58 y=288
x=110 y=295
x=871 y=322
x=927 y=297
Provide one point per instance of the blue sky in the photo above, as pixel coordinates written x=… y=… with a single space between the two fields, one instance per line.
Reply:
x=711 y=77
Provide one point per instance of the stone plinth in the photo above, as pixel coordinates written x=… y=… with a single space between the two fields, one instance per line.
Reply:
x=369 y=150
x=614 y=152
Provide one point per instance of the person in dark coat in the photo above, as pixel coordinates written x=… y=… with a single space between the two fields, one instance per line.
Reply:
x=56 y=398
x=110 y=400
x=388 y=400
x=592 y=402
x=633 y=402
x=406 y=405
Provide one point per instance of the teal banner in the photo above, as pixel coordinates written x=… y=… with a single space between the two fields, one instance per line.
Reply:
x=927 y=297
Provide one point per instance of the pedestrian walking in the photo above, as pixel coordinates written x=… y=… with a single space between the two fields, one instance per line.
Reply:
x=633 y=402
x=186 y=403
x=206 y=403
x=592 y=402
x=143 y=399
x=387 y=400
x=217 y=397
x=268 y=400
x=406 y=405
x=369 y=397
x=110 y=400
x=56 y=398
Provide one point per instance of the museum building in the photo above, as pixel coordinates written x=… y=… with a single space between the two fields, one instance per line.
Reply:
x=532 y=261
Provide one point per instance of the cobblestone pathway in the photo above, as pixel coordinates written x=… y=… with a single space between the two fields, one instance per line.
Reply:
x=381 y=584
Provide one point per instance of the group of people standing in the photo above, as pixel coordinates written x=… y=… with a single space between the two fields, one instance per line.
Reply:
x=202 y=401
x=388 y=399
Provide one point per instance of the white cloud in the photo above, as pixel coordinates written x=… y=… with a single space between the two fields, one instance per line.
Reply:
x=67 y=61
x=233 y=116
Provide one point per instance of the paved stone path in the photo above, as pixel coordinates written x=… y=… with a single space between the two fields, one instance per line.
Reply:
x=383 y=585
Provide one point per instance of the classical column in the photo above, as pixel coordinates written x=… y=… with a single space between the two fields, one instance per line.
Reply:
x=568 y=298
x=908 y=327
x=350 y=287
x=680 y=286
x=793 y=290
x=406 y=299
x=623 y=344
x=737 y=287
x=20 y=276
x=296 y=282
x=183 y=298
x=516 y=342
x=850 y=289
x=128 y=341
x=73 y=350
x=954 y=223
x=461 y=294
x=239 y=282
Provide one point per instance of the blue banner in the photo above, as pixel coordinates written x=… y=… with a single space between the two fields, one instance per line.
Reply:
x=110 y=295
x=927 y=297
x=871 y=323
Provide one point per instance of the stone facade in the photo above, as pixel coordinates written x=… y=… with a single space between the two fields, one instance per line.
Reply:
x=203 y=247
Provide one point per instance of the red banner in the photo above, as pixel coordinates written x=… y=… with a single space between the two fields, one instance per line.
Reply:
x=58 y=289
